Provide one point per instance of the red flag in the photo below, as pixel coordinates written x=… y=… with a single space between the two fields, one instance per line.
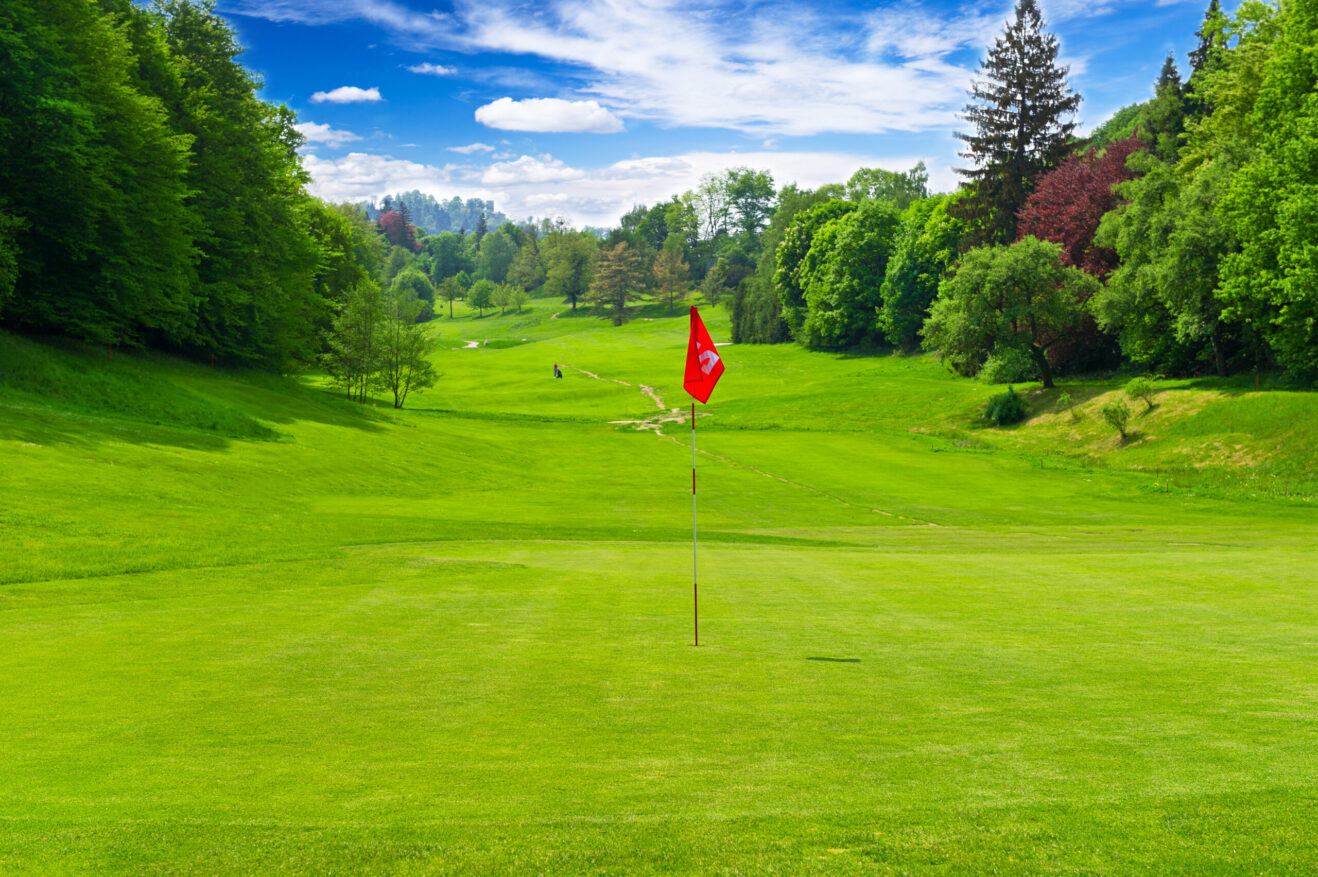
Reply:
x=703 y=365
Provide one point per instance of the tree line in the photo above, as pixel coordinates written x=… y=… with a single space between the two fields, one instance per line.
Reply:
x=149 y=198
x=1176 y=238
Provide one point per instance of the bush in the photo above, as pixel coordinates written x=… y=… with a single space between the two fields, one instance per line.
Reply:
x=1142 y=388
x=1005 y=408
x=1008 y=365
x=1064 y=403
x=1117 y=413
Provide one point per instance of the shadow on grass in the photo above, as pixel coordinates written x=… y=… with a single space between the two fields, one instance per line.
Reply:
x=835 y=660
x=39 y=426
x=65 y=392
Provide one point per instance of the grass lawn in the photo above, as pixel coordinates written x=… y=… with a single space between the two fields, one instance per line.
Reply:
x=246 y=626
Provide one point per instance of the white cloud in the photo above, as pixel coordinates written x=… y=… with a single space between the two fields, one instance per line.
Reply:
x=347 y=94
x=317 y=133
x=471 y=147
x=782 y=68
x=549 y=115
x=545 y=186
x=530 y=169
x=433 y=69
x=682 y=64
x=909 y=31
x=359 y=175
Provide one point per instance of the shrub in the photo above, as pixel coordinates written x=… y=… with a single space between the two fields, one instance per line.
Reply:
x=1064 y=403
x=1005 y=408
x=1117 y=413
x=1008 y=365
x=1142 y=388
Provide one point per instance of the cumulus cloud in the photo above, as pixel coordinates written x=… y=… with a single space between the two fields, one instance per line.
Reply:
x=433 y=69
x=542 y=185
x=471 y=147
x=347 y=94
x=530 y=169
x=358 y=176
x=549 y=115
x=317 y=133
x=787 y=68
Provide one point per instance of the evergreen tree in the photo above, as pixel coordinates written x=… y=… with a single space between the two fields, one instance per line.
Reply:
x=1209 y=41
x=671 y=273
x=1164 y=117
x=1212 y=43
x=620 y=278
x=481 y=227
x=527 y=271
x=1018 y=113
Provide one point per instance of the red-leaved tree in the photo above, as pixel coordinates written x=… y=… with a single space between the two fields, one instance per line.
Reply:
x=1065 y=208
x=399 y=231
x=1067 y=204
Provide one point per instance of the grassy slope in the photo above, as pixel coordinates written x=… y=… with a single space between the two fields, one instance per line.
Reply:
x=247 y=626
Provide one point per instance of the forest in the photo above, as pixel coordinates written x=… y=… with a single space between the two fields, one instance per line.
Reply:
x=149 y=198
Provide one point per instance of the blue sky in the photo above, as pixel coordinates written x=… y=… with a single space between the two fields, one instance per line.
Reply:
x=582 y=108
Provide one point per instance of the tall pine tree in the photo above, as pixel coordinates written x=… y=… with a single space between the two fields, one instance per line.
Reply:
x=1164 y=116
x=1018 y=112
x=1212 y=42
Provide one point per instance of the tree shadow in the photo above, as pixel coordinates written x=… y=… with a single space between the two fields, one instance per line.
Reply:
x=834 y=660
x=72 y=394
x=51 y=427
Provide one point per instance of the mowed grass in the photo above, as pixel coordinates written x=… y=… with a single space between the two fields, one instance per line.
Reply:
x=246 y=626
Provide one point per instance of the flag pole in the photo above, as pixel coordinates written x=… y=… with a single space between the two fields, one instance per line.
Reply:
x=695 y=590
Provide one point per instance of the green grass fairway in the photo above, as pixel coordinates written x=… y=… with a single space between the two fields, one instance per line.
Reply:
x=249 y=627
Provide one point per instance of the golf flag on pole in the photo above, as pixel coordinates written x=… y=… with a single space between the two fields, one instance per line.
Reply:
x=703 y=365
x=703 y=369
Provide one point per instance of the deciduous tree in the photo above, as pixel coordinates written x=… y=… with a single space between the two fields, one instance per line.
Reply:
x=877 y=184
x=791 y=254
x=928 y=242
x=404 y=363
x=843 y=273
x=1069 y=202
x=1019 y=295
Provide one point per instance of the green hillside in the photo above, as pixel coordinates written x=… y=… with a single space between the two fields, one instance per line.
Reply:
x=249 y=626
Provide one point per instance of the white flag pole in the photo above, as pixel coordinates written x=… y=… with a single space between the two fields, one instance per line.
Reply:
x=695 y=590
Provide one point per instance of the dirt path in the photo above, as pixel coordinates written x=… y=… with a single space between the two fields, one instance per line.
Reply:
x=653 y=394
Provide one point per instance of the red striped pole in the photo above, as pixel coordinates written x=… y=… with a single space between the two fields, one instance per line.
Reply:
x=695 y=590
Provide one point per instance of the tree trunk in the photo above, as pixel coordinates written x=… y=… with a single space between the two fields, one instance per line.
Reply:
x=1041 y=361
x=1219 y=359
